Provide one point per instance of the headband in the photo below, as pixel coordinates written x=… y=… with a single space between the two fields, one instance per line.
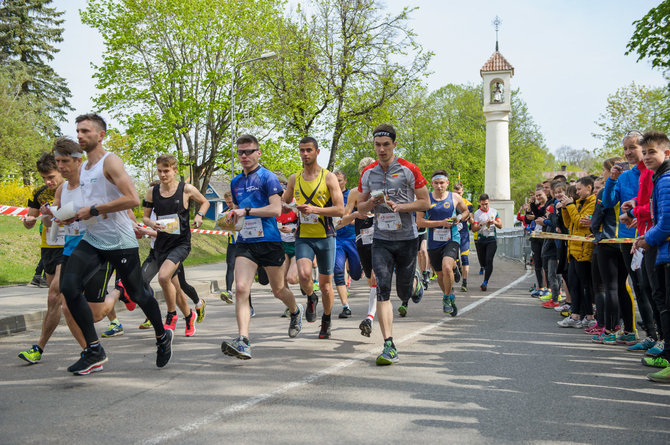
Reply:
x=72 y=155
x=439 y=177
x=384 y=133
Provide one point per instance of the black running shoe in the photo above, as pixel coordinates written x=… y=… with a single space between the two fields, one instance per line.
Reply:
x=91 y=361
x=365 y=327
x=310 y=313
x=325 y=329
x=457 y=274
x=164 y=349
x=346 y=313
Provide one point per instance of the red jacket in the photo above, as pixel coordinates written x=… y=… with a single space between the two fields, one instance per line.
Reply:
x=642 y=210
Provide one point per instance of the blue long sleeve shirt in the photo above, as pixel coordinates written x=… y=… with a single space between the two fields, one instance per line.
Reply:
x=620 y=190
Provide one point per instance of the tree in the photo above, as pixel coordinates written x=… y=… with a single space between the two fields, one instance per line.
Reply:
x=29 y=29
x=169 y=67
x=651 y=39
x=634 y=107
x=571 y=157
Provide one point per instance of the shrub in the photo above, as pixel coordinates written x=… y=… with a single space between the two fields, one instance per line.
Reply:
x=14 y=193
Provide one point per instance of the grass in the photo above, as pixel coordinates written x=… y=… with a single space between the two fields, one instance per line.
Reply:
x=20 y=249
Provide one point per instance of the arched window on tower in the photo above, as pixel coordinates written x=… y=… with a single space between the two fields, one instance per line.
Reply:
x=497 y=92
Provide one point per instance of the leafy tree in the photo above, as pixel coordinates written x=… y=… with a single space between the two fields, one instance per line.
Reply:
x=633 y=107
x=651 y=39
x=574 y=159
x=29 y=29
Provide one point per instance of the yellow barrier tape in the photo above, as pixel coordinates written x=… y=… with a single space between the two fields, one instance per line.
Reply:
x=583 y=239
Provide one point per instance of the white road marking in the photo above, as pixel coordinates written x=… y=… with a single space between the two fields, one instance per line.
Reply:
x=221 y=414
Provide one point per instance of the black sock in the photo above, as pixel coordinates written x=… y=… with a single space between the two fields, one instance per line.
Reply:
x=391 y=340
x=325 y=318
x=41 y=351
x=95 y=345
x=465 y=282
x=174 y=313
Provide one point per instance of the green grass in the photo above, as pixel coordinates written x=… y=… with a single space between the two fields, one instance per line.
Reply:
x=20 y=249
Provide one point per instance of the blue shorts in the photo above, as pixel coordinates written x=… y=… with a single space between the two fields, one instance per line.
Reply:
x=465 y=250
x=321 y=248
x=346 y=250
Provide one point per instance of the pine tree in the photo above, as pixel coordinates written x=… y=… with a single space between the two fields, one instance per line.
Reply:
x=29 y=29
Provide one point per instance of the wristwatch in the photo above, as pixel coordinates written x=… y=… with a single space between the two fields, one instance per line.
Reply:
x=200 y=213
x=247 y=210
x=93 y=211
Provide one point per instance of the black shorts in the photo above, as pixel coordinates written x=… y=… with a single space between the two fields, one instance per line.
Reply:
x=95 y=289
x=265 y=253
x=51 y=258
x=176 y=254
x=448 y=250
x=422 y=237
x=365 y=254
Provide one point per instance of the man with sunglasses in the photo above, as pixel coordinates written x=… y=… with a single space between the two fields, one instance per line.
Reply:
x=257 y=198
x=319 y=199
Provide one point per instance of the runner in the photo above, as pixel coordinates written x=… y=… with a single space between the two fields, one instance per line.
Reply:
x=464 y=232
x=486 y=220
x=170 y=202
x=345 y=251
x=443 y=235
x=287 y=223
x=109 y=237
x=395 y=189
x=227 y=295
x=51 y=252
x=318 y=199
x=257 y=194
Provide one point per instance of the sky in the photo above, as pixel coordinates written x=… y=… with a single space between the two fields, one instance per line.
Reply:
x=568 y=55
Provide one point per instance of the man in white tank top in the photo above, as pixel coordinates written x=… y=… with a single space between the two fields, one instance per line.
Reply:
x=108 y=191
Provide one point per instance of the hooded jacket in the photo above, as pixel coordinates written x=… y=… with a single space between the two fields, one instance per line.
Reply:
x=659 y=234
x=604 y=221
x=579 y=250
x=621 y=190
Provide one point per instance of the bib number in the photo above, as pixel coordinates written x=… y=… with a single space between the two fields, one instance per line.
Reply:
x=312 y=218
x=253 y=228
x=366 y=235
x=170 y=224
x=441 y=234
x=389 y=221
x=75 y=229
x=288 y=237
x=56 y=235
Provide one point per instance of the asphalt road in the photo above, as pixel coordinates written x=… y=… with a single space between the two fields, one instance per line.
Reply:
x=500 y=372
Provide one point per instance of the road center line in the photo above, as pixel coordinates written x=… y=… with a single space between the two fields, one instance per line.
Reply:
x=221 y=414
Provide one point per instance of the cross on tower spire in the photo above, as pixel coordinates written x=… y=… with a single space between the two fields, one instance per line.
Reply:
x=496 y=24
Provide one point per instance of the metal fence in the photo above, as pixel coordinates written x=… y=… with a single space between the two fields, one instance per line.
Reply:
x=514 y=244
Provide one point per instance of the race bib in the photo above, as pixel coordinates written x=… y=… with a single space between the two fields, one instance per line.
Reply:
x=312 y=218
x=441 y=234
x=459 y=226
x=75 y=229
x=253 y=228
x=170 y=224
x=56 y=235
x=336 y=220
x=288 y=237
x=389 y=221
x=366 y=235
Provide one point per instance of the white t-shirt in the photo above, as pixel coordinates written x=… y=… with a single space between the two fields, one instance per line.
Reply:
x=482 y=218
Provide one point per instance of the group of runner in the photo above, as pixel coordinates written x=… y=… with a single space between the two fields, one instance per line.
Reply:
x=284 y=227
x=620 y=230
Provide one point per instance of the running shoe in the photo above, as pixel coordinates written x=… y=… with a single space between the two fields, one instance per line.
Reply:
x=655 y=362
x=536 y=293
x=566 y=312
x=310 y=313
x=114 y=330
x=457 y=274
x=551 y=304
x=645 y=344
x=594 y=329
x=447 y=307
x=227 y=296
x=545 y=295
x=130 y=304
x=662 y=376
x=346 y=312
x=286 y=313
x=433 y=277
x=562 y=308
x=483 y=286
x=35 y=281
x=315 y=287
x=388 y=356
x=171 y=321
x=324 y=333
x=190 y=324
x=402 y=310
x=569 y=322
x=201 y=311
x=417 y=291
x=146 y=324
x=628 y=339
x=604 y=338
x=656 y=350
x=237 y=348
x=164 y=349
x=425 y=280
x=32 y=355
x=252 y=311
x=365 y=327
x=464 y=287
x=588 y=324
x=91 y=360
x=295 y=326
x=481 y=271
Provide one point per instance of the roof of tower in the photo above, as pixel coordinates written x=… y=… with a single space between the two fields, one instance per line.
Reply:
x=497 y=62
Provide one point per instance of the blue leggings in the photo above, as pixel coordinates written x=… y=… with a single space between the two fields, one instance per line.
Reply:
x=345 y=249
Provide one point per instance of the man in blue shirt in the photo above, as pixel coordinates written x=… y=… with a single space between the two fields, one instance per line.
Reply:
x=257 y=199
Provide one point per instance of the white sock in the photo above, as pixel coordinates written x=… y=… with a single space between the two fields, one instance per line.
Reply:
x=372 y=303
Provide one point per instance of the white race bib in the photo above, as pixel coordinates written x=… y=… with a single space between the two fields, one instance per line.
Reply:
x=75 y=229
x=253 y=228
x=459 y=226
x=170 y=224
x=288 y=237
x=366 y=235
x=441 y=234
x=312 y=218
x=389 y=221
x=56 y=235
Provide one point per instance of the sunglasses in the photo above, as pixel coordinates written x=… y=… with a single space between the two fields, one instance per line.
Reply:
x=246 y=152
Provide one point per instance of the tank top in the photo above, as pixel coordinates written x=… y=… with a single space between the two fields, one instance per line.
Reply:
x=316 y=193
x=75 y=231
x=441 y=209
x=111 y=231
x=171 y=207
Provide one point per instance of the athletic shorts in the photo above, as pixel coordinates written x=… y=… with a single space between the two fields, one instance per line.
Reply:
x=465 y=258
x=321 y=248
x=51 y=258
x=95 y=288
x=448 y=250
x=365 y=254
x=265 y=253
x=422 y=237
x=176 y=254
x=289 y=249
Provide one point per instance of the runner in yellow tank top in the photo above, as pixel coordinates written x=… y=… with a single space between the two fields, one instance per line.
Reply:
x=318 y=198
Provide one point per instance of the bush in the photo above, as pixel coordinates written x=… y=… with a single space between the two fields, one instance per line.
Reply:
x=14 y=193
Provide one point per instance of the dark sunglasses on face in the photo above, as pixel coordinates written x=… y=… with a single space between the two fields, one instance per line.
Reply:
x=246 y=152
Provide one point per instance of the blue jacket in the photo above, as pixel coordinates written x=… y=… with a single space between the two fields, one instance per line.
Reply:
x=659 y=234
x=620 y=191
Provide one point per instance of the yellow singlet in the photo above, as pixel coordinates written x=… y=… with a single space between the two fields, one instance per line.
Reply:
x=316 y=193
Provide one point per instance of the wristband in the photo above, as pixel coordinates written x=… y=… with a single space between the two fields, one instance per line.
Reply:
x=630 y=213
x=200 y=213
